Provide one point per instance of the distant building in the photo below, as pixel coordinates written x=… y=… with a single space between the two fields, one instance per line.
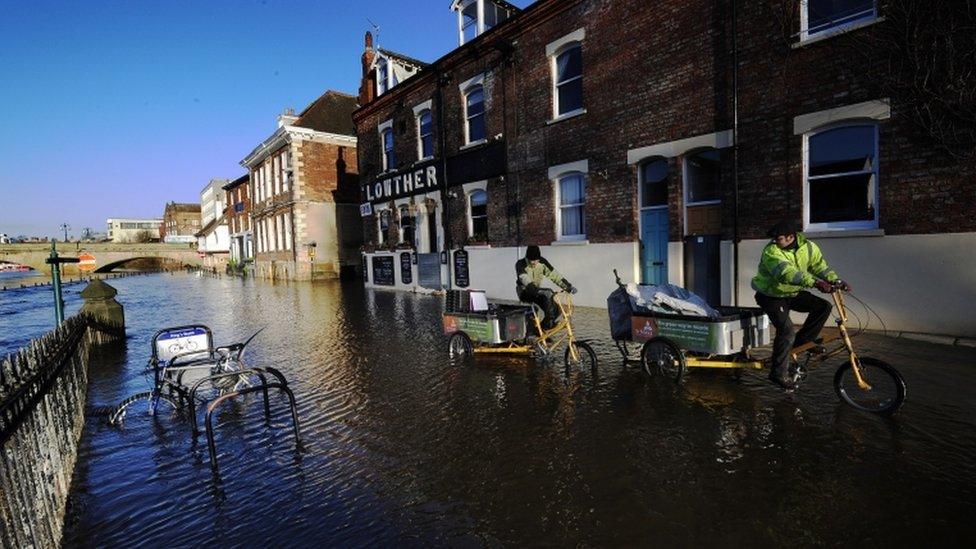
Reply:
x=4 y=239
x=127 y=230
x=238 y=213
x=304 y=190
x=213 y=239
x=181 y=222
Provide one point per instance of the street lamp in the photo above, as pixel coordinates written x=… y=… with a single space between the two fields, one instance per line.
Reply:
x=65 y=227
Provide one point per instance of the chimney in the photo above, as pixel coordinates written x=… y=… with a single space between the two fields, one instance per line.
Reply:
x=367 y=87
x=287 y=117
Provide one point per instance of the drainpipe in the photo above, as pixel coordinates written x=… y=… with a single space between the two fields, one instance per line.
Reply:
x=445 y=197
x=735 y=161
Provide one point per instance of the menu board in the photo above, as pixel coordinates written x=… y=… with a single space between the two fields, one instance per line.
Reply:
x=462 y=278
x=406 y=268
x=383 y=270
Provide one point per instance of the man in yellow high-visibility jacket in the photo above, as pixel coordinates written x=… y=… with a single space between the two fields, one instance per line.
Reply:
x=791 y=264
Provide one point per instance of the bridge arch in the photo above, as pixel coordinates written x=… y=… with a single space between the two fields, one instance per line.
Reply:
x=144 y=263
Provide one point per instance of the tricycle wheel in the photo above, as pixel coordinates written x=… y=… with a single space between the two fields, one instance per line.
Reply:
x=585 y=357
x=459 y=346
x=887 y=392
x=661 y=356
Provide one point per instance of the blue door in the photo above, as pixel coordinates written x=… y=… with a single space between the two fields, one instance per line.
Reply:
x=654 y=245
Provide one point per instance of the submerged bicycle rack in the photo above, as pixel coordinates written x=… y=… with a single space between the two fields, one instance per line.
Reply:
x=224 y=372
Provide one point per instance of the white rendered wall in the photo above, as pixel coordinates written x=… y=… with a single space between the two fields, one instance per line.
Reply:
x=917 y=283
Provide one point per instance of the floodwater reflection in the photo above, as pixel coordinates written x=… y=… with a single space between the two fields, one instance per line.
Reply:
x=403 y=447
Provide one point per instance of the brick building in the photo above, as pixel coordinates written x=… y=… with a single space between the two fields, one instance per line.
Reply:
x=181 y=222
x=304 y=192
x=238 y=215
x=662 y=143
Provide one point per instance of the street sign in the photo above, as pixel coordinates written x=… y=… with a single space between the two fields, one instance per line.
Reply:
x=86 y=262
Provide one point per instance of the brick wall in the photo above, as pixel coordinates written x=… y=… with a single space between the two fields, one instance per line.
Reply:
x=652 y=76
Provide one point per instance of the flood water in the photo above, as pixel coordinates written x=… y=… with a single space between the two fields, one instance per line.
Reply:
x=402 y=447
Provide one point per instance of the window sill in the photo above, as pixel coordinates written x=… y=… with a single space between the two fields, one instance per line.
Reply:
x=580 y=242
x=835 y=32
x=478 y=247
x=473 y=144
x=844 y=233
x=566 y=116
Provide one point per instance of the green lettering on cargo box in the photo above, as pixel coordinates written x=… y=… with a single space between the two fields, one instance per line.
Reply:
x=478 y=329
x=695 y=336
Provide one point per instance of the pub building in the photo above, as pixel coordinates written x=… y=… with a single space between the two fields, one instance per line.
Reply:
x=659 y=142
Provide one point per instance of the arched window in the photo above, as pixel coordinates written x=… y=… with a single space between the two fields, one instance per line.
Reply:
x=571 y=188
x=389 y=156
x=478 y=213
x=425 y=134
x=840 y=177
x=654 y=183
x=474 y=114
x=568 y=79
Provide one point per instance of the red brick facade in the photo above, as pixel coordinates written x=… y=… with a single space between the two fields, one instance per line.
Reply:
x=654 y=76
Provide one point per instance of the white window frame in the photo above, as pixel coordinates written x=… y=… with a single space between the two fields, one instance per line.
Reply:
x=380 y=233
x=417 y=112
x=553 y=50
x=388 y=125
x=805 y=35
x=286 y=217
x=469 y=190
x=413 y=223
x=556 y=173
x=841 y=225
x=466 y=88
x=479 y=21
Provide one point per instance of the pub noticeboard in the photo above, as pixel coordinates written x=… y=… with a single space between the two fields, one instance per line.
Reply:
x=365 y=270
x=383 y=270
x=462 y=278
x=406 y=268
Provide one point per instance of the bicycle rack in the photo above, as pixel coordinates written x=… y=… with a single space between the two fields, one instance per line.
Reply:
x=212 y=448
x=258 y=371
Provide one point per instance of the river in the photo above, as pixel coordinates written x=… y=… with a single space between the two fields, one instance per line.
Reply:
x=402 y=447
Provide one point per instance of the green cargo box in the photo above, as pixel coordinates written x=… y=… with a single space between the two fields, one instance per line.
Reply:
x=507 y=323
x=737 y=329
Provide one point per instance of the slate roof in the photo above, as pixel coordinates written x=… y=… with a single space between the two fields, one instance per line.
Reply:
x=235 y=183
x=331 y=112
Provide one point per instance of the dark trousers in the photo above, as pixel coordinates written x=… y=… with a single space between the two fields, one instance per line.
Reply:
x=543 y=298
x=778 y=309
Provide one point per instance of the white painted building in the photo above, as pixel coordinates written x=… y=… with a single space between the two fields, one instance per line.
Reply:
x=129 y=230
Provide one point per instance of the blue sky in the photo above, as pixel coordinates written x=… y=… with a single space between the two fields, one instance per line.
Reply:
x=111 y=108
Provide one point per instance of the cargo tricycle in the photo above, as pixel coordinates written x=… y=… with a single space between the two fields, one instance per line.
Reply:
x=514 y=330
x=669 y=344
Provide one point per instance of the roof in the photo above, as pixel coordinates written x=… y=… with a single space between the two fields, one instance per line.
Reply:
x=501 y=3
x=405 y=59
x=236 y=183
x=208 y=228
x=183 y=207
x=331 y=112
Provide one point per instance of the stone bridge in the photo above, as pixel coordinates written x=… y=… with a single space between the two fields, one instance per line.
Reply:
x=108 y=255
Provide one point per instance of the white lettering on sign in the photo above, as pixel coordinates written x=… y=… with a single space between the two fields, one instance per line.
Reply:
x=403 y=184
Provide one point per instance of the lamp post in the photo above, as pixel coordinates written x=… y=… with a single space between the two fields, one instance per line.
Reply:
x=65 y=227
x=55 y=262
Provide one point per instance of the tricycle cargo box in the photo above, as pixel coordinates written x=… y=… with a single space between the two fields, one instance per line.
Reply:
x=736 y=329
x=505 y=323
